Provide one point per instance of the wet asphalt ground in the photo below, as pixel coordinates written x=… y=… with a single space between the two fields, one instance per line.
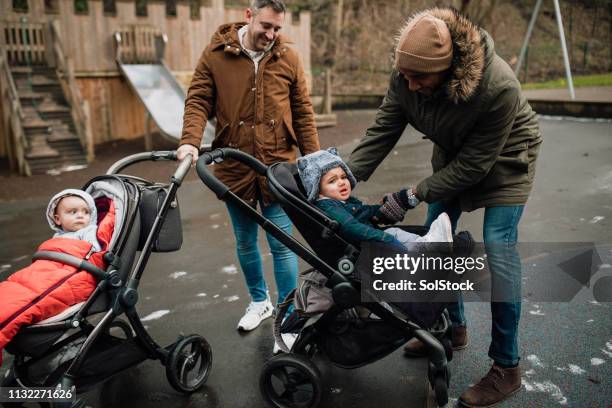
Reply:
x=566 y=348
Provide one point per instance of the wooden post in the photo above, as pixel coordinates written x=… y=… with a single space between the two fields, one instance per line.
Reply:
x=327 y=105
x=48 y=41
x=5 y=109
x=88 y=133
x=104 y=113
x=148 y=138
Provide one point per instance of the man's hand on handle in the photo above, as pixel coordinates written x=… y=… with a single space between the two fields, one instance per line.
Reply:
x=186 y=149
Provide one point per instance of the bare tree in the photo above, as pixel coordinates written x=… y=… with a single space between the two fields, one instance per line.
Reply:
x=479 y=12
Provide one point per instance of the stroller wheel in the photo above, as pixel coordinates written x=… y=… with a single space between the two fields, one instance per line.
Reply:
x=189 y=364
x=9 y=380
x=78 y=403
x=439 y=380
x=290 y=381
x=440 y=387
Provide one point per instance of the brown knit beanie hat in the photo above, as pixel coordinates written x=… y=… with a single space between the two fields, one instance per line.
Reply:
x=424 y=45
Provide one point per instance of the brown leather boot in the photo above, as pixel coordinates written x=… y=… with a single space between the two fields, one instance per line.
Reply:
x=459 y=337
x=415 y=348
x=497 y=385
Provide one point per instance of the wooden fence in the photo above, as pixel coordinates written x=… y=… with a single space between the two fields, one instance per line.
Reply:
x=24 y=43
x=116 y=112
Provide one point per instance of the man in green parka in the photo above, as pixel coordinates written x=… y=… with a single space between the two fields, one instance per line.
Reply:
x=449 y=84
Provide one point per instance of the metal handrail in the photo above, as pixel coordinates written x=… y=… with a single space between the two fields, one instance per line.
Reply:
x=71 y=90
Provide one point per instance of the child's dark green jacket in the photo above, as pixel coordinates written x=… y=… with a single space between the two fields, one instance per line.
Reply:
x=354 y=219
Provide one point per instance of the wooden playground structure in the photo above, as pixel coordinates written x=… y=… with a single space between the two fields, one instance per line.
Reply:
x=62 y=91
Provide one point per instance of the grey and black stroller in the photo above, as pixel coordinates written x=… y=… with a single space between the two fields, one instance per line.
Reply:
x=91 y=341
x=349 y=331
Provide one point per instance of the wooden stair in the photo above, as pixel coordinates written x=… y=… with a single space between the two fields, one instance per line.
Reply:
x=54 y=145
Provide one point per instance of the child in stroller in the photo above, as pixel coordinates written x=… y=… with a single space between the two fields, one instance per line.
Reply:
x=88 y=342
x=328 y=182
x=73 y=215
x=330 y=325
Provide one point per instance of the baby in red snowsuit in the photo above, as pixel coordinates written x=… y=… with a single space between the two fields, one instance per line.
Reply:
x=46 y=288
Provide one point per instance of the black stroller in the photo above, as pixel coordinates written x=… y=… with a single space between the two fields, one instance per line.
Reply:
x=68 y=350
x=341 y=332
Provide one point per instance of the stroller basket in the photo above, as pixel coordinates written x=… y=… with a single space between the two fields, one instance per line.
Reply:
x=110 y=355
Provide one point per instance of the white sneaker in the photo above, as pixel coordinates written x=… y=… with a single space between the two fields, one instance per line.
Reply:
x=288 y=338
x=441 y=231
x=256 y=312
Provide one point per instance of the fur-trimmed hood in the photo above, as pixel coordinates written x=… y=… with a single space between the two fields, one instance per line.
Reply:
x=87 y=233
x=268 y=115
x=472 y=50
x=485 y=134
x=226 y=36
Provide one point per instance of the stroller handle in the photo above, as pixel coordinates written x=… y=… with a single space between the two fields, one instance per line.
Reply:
x=224 y=193
x=179 y=174
x=182 y=169
x=214 y=183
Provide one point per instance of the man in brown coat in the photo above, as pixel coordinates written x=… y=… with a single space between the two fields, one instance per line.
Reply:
x=254 y=84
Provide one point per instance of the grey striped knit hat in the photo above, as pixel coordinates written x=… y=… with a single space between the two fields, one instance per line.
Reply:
x=314 y=165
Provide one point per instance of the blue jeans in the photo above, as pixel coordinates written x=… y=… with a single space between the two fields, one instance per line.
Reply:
x=500 y=232
x=249 y=256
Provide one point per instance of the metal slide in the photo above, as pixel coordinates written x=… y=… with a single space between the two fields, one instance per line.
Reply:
x=162 y=96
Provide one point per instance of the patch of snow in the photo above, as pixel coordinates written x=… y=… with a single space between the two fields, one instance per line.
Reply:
x=552 y=389
x=155 y=315
x=63 y=169
x=177 y=274
x=534 y=360
x=574 y=369
x=596 y=219
x=537 y=313
x=230 y=269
